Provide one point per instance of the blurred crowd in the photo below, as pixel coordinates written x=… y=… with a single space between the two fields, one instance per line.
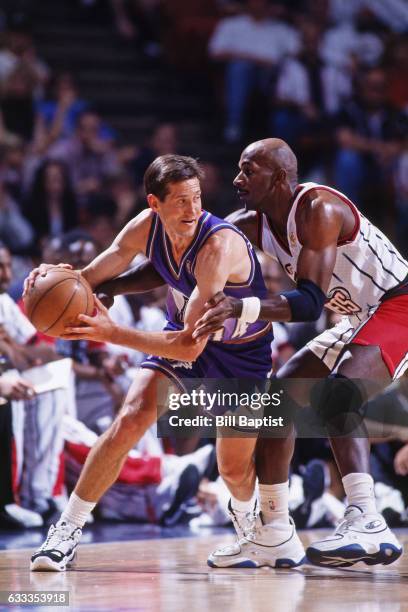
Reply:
x=327 y=76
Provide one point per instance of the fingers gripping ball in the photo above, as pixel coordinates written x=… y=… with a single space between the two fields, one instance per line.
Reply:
x=57 y=299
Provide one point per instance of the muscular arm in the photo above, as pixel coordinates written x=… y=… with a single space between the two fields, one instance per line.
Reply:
x=247 y=222
x=320 y=227
x=321 y=224
x=140 y=279
x=213 y=268
x=115 y=259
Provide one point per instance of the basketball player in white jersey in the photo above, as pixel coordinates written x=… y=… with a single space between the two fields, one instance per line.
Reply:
x=341 y=261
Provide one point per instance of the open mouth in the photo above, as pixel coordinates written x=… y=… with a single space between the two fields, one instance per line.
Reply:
x=242 y=193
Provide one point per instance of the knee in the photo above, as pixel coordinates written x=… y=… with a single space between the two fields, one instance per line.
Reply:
x=133 y=420
x=234 y=471
x=339 y=404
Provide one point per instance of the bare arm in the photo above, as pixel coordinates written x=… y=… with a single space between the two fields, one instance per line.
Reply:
x=140 y=279
x=214 y=265
x=321 y=224
x=114 y=260
x=247 y=222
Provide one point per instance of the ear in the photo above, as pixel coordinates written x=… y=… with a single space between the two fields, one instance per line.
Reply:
x=281 y=175
x=153 y=202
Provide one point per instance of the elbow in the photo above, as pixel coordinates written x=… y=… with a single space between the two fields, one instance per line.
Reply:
x=191 y=350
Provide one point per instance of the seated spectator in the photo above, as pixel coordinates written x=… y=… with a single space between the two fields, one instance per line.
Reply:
x=51 y=205
x=99 y=219
x=251 y=45
x=19 y=51
x=308 y=92
x=36 y=421
x=350 y=43
x=89 y=157
x=396 y=66
x=370 y=138
x=17 y=107
x=59 y=111
x=15 y=230
x=153 y=486
x=139 y=21
x=163 y=141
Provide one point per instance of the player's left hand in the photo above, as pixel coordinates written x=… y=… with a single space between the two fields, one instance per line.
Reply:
x=99 y=328
x=217 y=310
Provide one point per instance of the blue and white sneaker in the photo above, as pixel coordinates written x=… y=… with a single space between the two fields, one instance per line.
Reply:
x=263 y=546
x=58 y=550
x=359 y=537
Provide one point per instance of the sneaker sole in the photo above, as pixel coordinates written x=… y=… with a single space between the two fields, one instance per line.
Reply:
x=45 y=564
x=349 y=555
x=248 y=563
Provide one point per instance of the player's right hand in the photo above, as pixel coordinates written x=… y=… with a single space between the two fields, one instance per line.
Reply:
x=41 y=271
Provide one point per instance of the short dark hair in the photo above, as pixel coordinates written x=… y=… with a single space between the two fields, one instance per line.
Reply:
x=170 y=169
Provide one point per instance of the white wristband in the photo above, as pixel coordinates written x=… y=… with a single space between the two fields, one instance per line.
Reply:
x=251 y=307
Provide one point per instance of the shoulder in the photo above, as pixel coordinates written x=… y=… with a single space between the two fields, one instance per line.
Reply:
x=248 y=221
x=319 y=214
x=136 y=230
x=142 y=220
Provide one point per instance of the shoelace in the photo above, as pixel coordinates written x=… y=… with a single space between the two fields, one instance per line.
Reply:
x=56 y=535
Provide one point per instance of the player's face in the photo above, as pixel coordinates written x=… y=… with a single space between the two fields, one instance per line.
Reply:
x=254 y=182
x=5 y=270
x=181 y=208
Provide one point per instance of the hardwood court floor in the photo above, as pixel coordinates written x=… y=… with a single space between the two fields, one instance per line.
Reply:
x=171 y=575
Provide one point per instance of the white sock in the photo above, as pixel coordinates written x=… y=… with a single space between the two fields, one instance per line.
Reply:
x=77 y=511
x=359 y=488
x=243 y=506
x=274 y=503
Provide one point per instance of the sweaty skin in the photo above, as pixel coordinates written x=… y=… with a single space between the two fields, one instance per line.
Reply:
x=323 y=220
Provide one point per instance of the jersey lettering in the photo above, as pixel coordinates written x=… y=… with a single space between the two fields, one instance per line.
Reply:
x=339 y=300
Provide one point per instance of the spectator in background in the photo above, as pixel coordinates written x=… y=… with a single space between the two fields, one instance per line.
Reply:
x=121 y=189
x=17 y=107
x=139 y=21
x=370 y=138
x=15 y=231
x=90 y=157
x=308 y=93
x=163 y=141
x=396 y=67
x=12 y=154
x=51 y=205
x=19 y=52
x=251 y=45
x=61 y=108
x=350 y=43
x=100 y=219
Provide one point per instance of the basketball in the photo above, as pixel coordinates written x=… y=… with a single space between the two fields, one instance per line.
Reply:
x=57 y=299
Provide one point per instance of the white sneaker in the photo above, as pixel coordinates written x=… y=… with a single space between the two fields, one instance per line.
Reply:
x=243 y=521
x=359 y=537
x=264 y=545
x=58 y=550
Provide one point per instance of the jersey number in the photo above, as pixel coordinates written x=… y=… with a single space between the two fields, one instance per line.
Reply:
x=339 y=300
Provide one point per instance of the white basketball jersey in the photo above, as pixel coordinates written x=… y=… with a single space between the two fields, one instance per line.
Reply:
x=367 y=263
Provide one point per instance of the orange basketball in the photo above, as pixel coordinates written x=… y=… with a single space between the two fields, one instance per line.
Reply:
x=57 y=299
